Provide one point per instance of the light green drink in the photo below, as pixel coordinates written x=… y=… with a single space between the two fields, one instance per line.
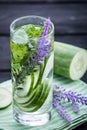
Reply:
x=32 y=69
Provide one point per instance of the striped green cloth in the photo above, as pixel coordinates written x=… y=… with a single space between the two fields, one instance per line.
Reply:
x=56 y=122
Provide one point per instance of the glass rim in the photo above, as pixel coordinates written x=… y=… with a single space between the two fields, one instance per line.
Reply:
x=31 y=16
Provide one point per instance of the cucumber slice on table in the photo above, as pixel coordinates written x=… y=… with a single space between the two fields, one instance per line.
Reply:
x=5 y=98
x=69 y=61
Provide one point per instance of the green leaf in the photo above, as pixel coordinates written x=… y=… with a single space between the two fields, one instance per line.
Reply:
x=18 y=52
x=16 y=68
x=33 y=31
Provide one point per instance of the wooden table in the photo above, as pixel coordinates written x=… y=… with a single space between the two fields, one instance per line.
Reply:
x=69 y=18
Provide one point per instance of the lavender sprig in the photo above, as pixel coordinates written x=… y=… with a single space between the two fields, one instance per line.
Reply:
x=75 y=107
x=61 y=109
x=71 y=96
x=44 y=45
x=47 y=27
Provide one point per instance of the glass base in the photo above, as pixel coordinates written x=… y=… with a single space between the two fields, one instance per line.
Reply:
x=31 y=119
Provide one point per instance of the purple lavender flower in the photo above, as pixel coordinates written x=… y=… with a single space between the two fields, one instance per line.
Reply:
x=73 y=97
x=44 y=45
x=75 y=106
x=61 y=109
x=70 y=95
x=46 y=28
x=43 y=52
x=34 y=57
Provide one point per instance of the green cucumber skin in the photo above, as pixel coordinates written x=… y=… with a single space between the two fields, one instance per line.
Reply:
x=68 y=46
x=35 y=96
x=60 y=70
x=29 y=95
x=31 y=87
x=35 y=105
x=64 y=51
x=43 y=98
x=63 y=56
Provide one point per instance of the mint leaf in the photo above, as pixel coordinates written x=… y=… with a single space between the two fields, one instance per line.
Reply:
x=33 y=31
x=18 y=52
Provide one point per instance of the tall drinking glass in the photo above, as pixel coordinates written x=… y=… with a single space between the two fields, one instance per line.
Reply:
x=32 y=45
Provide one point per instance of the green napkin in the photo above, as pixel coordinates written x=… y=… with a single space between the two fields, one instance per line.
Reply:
x=56 y=123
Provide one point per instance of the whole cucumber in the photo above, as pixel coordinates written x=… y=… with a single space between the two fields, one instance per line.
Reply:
x=69 y=61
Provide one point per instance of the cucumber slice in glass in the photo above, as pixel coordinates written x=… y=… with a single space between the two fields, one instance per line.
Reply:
x=24 y=89
x=20 y=37
x=48 y=68
x=40 y=100
x=24 y=100
x=34 y=98
x=36 y=77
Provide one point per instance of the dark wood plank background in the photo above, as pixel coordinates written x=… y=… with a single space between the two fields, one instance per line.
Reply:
x=68 y=16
